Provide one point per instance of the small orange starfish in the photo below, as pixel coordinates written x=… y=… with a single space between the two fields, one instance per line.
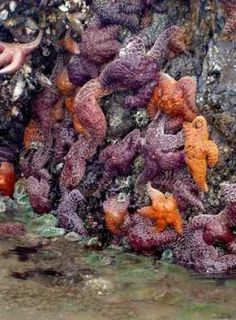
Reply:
x=7 y=179
x=199 y=150
x=176 y=98
x=163 y=209
x=115 y=214
x=32 y=133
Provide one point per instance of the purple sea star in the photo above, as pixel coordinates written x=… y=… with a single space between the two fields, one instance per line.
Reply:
x=117 y=12
x=218 y=228
x=117 y=158
x=97 y=47
x=66 y=213
x=160 y=150
x=137 y=69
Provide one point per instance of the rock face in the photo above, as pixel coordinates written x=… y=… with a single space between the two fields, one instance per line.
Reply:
x=217 y=87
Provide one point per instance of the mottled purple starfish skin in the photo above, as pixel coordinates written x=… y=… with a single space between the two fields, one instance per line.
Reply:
x=117 y=158
x=137 y=69
x=66 y=213
x=192 y=251
x=42 y=108
x=39 y=192
x=8 y=154
x=75 y=163
x=37 y=160
x=142 y=237
x=133 y=70
x=160 y=150
x=64 y=136
x=218 y=228
x=117 y=12
x=80 y=70
x=33 y=167
x=97 y=47
x=182 y=186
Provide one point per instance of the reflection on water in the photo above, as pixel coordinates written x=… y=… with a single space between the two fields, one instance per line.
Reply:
x=61 y=280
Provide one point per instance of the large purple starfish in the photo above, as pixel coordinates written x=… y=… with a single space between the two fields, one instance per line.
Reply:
x=137 y=69
x=117 y=158
x=66 y=213
x=118 y=12
x=218 y=228
x=161 y=150
x=97 y=47
x=13 y=55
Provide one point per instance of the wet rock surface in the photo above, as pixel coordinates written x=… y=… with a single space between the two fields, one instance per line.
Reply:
x=58 y=278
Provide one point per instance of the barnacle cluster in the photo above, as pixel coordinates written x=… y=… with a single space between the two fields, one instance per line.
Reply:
x=68 y=159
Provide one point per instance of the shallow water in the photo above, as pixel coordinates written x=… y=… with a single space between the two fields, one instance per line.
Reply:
x=108 y=284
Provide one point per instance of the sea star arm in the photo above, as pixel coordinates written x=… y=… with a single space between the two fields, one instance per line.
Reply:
x=148 y=212
x=212 y=153
x=155 y=194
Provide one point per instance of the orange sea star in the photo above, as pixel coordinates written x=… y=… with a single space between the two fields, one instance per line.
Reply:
x=7 y=179
x=176 y=98
x=163 y=210
x=13 y=55
x=199 y=150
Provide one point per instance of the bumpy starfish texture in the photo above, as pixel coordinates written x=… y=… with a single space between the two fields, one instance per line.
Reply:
x=13 y=55
x=192 y=251
x=137 y=69
x=64 y=136
x=7 y=179
x=12 y=229
x=42 y=106
x=115 y=212
x=66 y=213
x=117 y=158
x=116 y=12
x=138 y=231
x=218 y=228
x=97 y=47
x=183 y=188
x=160 y=150
x=88 y=111
x=229 y=7
x=200 y=150
x=39 y=192
x=90 y=117
x=176 y=98
x=163 y=210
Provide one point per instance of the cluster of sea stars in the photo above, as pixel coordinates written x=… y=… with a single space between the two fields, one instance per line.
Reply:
x=68 y=127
